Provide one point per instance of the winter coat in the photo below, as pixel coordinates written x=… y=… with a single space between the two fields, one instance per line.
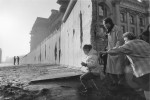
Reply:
x=138 y=53
x=115 y=64
x=93 y=63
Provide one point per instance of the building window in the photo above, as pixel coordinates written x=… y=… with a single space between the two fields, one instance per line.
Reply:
x=101 y=12
x=131 y=19
x=141 y=21
x=123 y=29
x=132 y=29
x=123 y=17
x=141 y=30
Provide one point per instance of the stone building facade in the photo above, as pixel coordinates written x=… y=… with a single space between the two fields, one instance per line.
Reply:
x=43 y=27
x=130 y=15
x=39 y=32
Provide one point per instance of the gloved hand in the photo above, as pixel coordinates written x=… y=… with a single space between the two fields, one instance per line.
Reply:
x=83 y=64
x=103 y=52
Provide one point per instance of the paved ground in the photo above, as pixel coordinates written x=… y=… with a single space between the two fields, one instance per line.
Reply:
x=58 y=83
x=27 y=73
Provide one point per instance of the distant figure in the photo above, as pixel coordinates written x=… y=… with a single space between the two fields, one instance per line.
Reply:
x=18 y=59
x=14 y=60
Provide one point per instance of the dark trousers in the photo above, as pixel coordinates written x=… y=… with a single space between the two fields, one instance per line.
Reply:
x=143 y=81
x=116 y=78
x=104 y=57
x=103 y=60
x=86 y=77
x=14 y=62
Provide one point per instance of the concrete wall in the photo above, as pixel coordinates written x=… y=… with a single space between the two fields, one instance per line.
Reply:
x=45 y=52
x=75 y=32
x=65 y=45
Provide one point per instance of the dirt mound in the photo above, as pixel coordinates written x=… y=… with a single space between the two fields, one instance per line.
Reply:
x=17 y=92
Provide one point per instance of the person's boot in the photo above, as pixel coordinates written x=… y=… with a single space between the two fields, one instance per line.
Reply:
x=86 y=91
x=113 y=86
x=147 y=95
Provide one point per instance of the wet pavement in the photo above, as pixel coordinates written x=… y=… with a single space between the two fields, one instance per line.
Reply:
x=48 y=83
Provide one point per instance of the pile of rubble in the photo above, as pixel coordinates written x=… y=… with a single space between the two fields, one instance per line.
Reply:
x=12 y=91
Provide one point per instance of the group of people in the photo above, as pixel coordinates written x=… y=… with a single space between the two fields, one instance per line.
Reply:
x=16 y=60
x=123 y=49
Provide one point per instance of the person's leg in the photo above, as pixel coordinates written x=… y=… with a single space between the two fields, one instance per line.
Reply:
x=105 y=62
x=147 y=95
x=14 y=62
x=144 y=83
x=114 y=78
x=121 y=79
x=85 y=78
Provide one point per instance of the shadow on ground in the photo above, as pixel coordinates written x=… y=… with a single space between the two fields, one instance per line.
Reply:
x=69 y=89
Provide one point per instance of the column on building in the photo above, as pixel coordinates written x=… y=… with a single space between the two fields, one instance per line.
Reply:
x=137 y=25
x=123 y=19
x=117 y=12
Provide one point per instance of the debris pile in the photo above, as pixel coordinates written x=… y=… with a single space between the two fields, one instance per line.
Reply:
x=12 y=91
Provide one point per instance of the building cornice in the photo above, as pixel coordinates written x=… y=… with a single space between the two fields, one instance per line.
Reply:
x=133 y=12
x=69 y=9
x=133 y=5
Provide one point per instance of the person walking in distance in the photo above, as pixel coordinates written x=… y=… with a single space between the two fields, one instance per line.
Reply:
x=18 y=59
x=14 y=60
x=115 y=64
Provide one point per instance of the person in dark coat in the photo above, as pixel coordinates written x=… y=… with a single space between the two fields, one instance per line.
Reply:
x=145 y=35
x=18 y=59
x=14 y=60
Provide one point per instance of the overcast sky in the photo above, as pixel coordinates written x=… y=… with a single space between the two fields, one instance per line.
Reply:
x=16 y=20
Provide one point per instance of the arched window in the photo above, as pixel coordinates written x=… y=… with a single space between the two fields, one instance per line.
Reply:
x=103 y=10
x=100 y=10
x=141 y=21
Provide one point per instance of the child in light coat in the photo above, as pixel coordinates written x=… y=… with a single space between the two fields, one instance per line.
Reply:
x=92 y=63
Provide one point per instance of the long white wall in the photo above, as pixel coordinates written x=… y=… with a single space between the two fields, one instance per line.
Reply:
x=45 y=52
x=70 y=33
x=67 y=39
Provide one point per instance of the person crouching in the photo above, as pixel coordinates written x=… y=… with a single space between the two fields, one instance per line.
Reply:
x=93 y=67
